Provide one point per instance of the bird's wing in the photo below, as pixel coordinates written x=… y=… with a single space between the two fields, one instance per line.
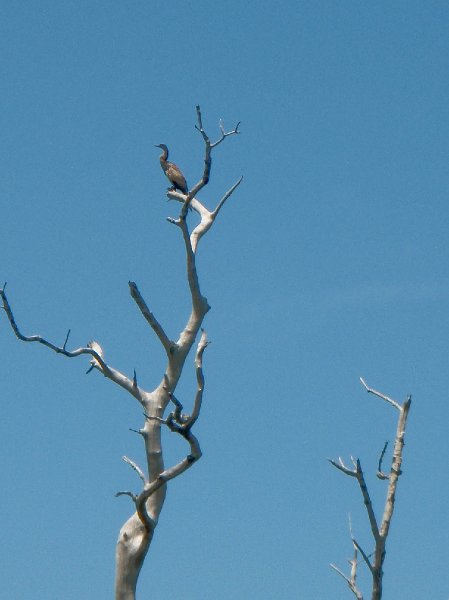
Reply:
x=176 y=177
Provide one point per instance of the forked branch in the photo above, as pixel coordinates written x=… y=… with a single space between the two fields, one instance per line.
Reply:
x=179 y=423
x=207 y=217
x=208 y=146
x=352 y=579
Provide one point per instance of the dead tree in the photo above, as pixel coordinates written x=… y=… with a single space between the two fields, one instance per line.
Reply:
x=375 y=560
x=136 y=534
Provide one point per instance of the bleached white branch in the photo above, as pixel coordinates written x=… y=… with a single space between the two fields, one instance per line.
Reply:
x=92 y=349
x=352 y=580
x=351 y=584
x=177 y=421
x=150 y=488
x=227 y=195
x=126 y=493
x=395 y=470
x=364 y=555
x=358 y=474
x=199 y=303
x=342 y=467
x=135 y=466
x=202 y=344
x=150 y=318
x=207 y=217
x=367 y=501
x=168 y=474
x=380 y=395
x=190 y=200
x=224 y=133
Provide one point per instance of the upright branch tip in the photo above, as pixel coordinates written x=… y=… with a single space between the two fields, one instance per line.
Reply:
x=66 y=340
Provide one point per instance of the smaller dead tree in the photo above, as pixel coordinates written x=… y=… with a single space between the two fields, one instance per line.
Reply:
x=375 y=560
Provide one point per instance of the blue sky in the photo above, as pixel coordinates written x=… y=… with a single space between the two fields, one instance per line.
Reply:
x=329 y=262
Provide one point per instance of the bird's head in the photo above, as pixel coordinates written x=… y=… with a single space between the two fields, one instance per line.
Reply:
x=163 y=146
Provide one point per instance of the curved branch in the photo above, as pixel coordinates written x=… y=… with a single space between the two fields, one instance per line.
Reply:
x=151 y=487
x=177 y=421
x=202 y=345
x=95 y=352
x=199 y=303
x=226 y=196
x=207 y=217
x=135 y=467
x=342 y=467
x=380 y=474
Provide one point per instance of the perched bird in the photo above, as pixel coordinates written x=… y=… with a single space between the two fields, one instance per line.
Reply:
x=172 y=172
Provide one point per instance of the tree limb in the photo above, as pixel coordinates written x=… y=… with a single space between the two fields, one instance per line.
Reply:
x=367 y=501
x=151 y=487
x=225 y=197
x=136 y=468
x=150 y=318
x=97 y=358
x=207 y=159
x=395 y=471
x=207 y=217
x=380 y=395
x=203 y=343
x=351 y=583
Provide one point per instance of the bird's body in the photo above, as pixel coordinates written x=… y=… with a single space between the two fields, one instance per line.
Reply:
x=172 y=172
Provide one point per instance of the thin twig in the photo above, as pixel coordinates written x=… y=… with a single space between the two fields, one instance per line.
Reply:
x=166 y=475
x=380 y=474
x=226 y=196
x=342 y=467
x=135 y=466
x=202 y=345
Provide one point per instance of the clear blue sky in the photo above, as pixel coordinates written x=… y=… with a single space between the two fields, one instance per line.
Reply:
x=329 y=262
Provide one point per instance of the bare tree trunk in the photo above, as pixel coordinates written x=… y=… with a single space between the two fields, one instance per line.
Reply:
x=137 y=533
x=379 y=534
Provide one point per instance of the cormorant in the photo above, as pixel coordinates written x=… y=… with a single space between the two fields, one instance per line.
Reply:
x=172 y=172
